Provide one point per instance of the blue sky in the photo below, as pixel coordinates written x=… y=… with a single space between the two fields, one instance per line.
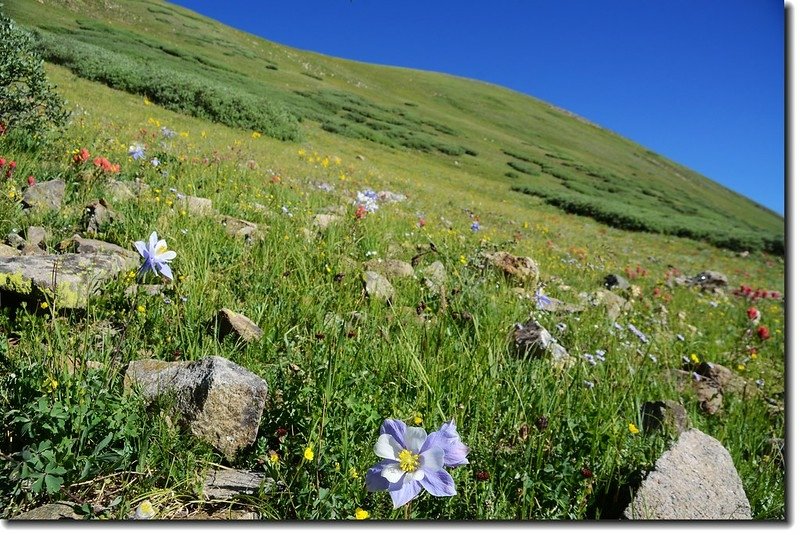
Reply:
x=698 y=81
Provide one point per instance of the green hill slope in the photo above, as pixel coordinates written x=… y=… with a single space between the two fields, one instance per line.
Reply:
x=195 y=65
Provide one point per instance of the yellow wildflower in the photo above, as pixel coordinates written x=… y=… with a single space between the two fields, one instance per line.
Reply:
x=255 y=135
x=632 y=428
x=695 y=359
x=140 y=309
x=146 y=101
x=417 y=419
x=44 y=305
x=273 y=458
x=740 y=367
x=361 y=514
x=354 y=473
x=308 y=454
x=184 y=134
x=50 y=384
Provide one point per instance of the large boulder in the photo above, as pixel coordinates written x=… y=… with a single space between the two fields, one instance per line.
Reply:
x=219 y=401
x=694 y=480
x=69 y=279
x=51 y=511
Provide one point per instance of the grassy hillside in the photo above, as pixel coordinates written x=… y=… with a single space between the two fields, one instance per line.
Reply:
x=545 y=444
x=188 y=63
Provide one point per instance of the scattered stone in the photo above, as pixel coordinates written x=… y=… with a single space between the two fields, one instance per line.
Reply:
x=390 y=268
x=196 y=205
x=435 y=277
x=550 y=304
x=378 y=286
x=230 y=322
x=7 y=250
x=97 y=215
x=15 y=240
x=667 y=416
x=695 y=480
x=240 y=228
x=117 y=190
x=360 y=157
x=711 y=381
x=521 y=268
x=51 y=511
x=531 y=339
x=226 y=483
x=70 y=278
x=335 y=209
x=391 y=197
x=224 y=513
x=710 y=281
x=89 y=246
x=613 y=303
x=36 y=236
x=44 y=195
x=615 y=281
x=323 y=221
x=219 y=401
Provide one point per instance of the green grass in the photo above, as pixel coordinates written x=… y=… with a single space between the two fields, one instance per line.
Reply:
x=331 y=384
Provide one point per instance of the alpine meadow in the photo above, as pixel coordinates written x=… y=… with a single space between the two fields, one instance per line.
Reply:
x=244 y=281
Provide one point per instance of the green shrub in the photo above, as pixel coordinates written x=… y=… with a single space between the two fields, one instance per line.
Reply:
x=28 y=102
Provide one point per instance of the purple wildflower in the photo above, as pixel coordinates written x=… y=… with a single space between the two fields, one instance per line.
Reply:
x=156 y=256
x=541 y=299
x=475 y=227
x=368 y=199
x=136 y=151
x=639 y=334
x=413 y=460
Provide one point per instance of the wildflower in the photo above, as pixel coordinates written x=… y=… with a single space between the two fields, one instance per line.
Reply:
x=273 y=459
x=695 y=359
x=417 y=419
x=361 y=212
x=763 y=332
x=44 y=305
x=50 y=384
x=155 y=162
x=740 y=367
x=354 y=473
x=80 y=156
x=696 y=376
x=368 y=199
x=255 y=135
x=586 y=472
x=475 y=227
x=167 y=133
x=482 y=475
x=156 y=256
x=632 y=428
x=588 y=384
x=286 y=211
x=140 y=309
x=680 y=337
x=361 y=514
x=136 y=151
x=760 y=383
x=308 y=454
x=145 y=511
x=753 y=314
x=412 y=461
x=421 y=222
x=542 y=301
x=638 y=333
x=463 y=259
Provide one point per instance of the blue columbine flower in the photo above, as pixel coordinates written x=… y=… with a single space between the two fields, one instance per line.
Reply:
x=136 y=151
x=475 y=227
x=368 y=199
x=413 y=460
x=541 y=299
x=639 y=334
x=156 y=256
x=167 y=133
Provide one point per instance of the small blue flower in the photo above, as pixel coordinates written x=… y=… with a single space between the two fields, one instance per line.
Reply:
x=156 y=256
x=542 y=301
x=167 y=133
x=155 y=162
x=475 y=227
x=136 y=151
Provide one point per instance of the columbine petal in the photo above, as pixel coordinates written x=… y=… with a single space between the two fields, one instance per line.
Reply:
x=396 y=428
x=374 y=480
x=432 y=459
x=387 y=447
x=438 y=483
x=404 y=493
x=393 y=473
x=165 y=270
x=153 y=241
x=414 y=438
x=141 y=247
x=447 y=438
x=167 y=256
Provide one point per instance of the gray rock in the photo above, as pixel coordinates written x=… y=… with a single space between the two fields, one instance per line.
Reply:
x=613 y=303
x=230 y=322
x=89 y=246
x=7 y=250
x=98 y=214
x=434 y=276
x=196 y=205
x=615 y=281
x=125 y=190
x=393 y=269
x=378 y=286
x=146 y=289
x=240 y=228
x=44 y=195
x=69 y=278
x=533 y=340
x=51 y=511
x=219 y=401
x=36 y=236
x=391 y=197
x=669 y=416
x=521 y=268
x=15 y=240
x=694 y=480
x=323 y=221
x=710 y=281
x=226 y=483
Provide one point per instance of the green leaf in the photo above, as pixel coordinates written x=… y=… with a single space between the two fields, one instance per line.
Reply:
x=53 y=483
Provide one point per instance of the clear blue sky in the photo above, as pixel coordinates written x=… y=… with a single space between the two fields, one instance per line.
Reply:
x=698 y=81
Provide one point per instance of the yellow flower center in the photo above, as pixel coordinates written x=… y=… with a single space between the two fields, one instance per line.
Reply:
x=161 y=249
x=409 y=462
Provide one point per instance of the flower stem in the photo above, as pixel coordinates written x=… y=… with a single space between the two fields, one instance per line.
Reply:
x=408 y=511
